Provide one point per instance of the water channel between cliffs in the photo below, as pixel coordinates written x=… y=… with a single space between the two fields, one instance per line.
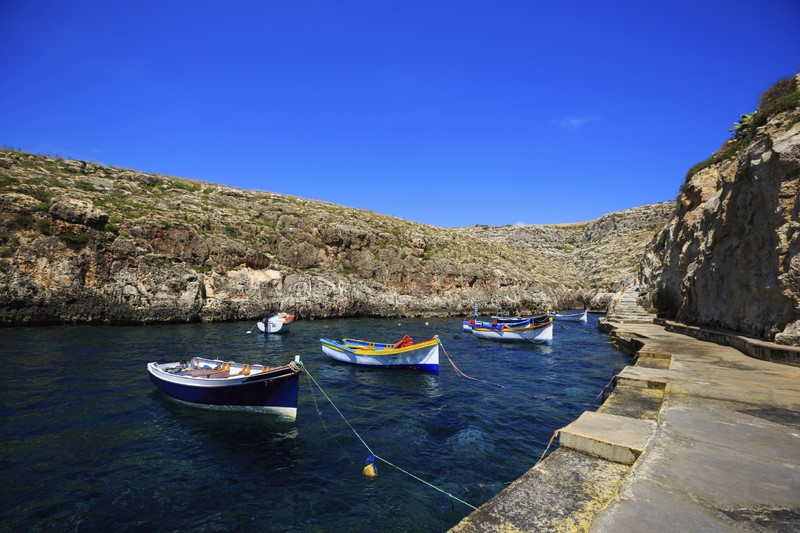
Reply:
x=90 y=444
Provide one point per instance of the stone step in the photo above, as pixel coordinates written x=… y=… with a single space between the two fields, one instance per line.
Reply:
x=611 y=437
x=649 y=378
x=652 y=353
x=631 y=319
x=651 y=358
x=634 y=402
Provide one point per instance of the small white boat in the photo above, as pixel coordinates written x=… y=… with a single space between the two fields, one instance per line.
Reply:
x=402 y=354
x=572 y=317
x=276 y=323
x=536 y=331
x=230 y=386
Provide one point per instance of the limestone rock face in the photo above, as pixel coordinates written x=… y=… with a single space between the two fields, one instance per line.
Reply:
x=84 y=243
x=729 y=257
x=602 y=254
x=77 y=211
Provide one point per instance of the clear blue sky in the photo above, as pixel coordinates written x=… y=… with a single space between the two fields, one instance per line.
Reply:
x=449 y=113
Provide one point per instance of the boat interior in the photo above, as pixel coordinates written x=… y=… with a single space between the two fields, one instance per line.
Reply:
x=204 y=369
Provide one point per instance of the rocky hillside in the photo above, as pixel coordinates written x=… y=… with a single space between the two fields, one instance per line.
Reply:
x=85 y=243
x=729 y=257
x=604 y=253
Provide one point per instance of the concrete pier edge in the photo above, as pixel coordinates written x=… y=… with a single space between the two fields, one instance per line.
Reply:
x=766 y=351
x=698 y=435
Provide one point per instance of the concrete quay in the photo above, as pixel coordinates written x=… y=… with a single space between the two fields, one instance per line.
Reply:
x=696 y=436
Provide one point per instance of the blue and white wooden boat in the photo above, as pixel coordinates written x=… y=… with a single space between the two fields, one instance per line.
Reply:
x=538 y=330
x=276 y=323
x=572 y=317
x=402 y=354
x=230 y=386
x=501 y=317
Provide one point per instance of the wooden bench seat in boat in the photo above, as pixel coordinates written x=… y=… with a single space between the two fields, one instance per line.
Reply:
x=224 y=369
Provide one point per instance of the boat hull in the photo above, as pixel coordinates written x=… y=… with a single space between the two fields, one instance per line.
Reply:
x=535 y=333
x=421 y=356
x=270 y=391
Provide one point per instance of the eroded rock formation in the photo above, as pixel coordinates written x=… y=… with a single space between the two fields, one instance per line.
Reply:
x=729 y=257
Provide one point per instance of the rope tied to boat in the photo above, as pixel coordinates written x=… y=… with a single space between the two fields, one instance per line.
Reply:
x=378 y=457
x=548 y=446
x=462 y=374
x=573 y=328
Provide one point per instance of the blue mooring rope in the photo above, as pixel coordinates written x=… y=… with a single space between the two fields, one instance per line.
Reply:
x=447 y=494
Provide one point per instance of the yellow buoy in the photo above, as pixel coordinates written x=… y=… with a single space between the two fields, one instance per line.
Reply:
x=370 y=470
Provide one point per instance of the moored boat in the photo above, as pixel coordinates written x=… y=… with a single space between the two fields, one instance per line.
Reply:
x=230 y=386
x=402 y=354
x=278 y=323
x=501 y=317
x=538 y=330
x=572 y=317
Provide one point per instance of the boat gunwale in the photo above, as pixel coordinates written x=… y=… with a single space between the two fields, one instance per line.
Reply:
x=343 y=347
x=531 y=327
x=270 y=373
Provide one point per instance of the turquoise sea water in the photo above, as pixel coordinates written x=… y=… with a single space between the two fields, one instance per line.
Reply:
x=89 y=444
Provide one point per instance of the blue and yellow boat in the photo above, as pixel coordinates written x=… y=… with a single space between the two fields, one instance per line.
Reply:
x=402 y=354
x=538 y=330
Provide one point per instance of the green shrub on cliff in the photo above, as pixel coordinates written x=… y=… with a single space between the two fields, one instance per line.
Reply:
x=784 y=95
x=730 y=149
x=742 y=126
x=779 y=92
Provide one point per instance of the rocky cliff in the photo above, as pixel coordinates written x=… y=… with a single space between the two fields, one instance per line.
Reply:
x=729 y=257
x=86 y=243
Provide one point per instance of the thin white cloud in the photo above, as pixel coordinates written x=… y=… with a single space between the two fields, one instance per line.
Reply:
x=574 y=123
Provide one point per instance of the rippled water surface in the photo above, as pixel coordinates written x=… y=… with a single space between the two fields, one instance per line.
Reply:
x=90 y=444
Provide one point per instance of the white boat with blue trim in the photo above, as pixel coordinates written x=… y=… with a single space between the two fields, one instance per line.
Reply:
x=230 y=386
x=572 y=317
x=402 y=354
x=538 y=330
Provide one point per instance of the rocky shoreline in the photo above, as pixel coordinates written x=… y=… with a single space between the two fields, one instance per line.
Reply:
x=86 y=243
